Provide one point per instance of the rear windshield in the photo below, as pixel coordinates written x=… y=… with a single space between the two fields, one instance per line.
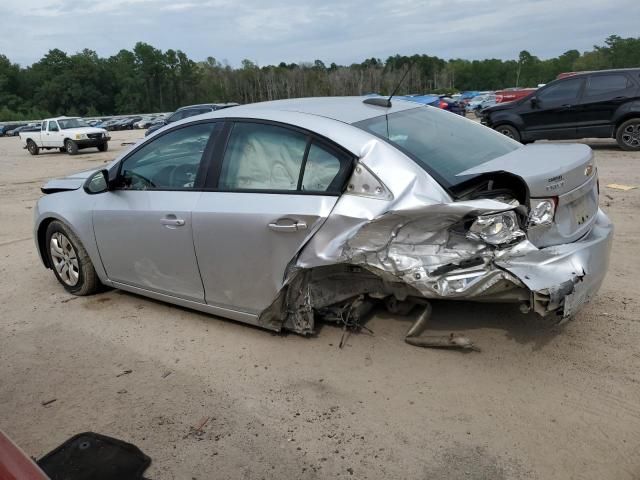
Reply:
x=440 y=142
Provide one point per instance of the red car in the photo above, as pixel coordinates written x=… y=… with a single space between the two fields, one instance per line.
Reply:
x=509 y=95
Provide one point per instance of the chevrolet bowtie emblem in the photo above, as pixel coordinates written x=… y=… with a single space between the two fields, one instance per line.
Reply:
x=588 y=171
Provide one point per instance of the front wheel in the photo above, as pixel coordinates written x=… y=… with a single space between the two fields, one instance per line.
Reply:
x=70 y=261
x=628 y=135
x=32 y=147
x=509 y=131
x=71 y=147
x=103 y=147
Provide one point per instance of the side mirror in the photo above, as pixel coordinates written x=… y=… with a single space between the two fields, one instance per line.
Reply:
x=535 y=102
x=98 y=182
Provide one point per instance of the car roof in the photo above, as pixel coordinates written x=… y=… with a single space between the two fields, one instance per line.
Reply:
x=213 y=105
x=342 y=109
x=591 y=72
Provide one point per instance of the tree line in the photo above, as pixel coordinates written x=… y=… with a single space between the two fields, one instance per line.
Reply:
x=147 y=79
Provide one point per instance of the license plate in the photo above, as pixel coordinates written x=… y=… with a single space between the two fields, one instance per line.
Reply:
x=581 y=210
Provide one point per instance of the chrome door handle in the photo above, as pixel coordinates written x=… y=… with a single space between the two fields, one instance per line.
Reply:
x=172 y=221
x=290 y=227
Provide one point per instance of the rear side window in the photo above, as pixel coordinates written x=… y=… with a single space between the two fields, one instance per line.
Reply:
x=321 y=168
x=272 y=158
x=603 y=84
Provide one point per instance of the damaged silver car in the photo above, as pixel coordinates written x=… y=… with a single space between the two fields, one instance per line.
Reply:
x=284 y=213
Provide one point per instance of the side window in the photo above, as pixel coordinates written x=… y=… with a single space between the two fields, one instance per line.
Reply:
x=170 y=161
x=324 y=171
x=262 y=157
x=177 y=116
x=603 y=84
x=565 y=91
x=53 y=127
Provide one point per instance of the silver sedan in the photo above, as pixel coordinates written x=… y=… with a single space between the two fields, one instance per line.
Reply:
x=282 y=213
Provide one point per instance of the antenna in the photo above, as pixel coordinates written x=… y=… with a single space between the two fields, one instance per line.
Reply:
x=400 y=83
x=386 y=102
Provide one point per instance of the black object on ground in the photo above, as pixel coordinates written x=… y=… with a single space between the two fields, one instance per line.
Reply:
x=91 y=456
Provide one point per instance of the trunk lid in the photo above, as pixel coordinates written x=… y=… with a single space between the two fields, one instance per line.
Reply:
x=566 y=173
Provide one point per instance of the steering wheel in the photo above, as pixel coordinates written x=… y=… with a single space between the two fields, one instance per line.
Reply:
x=182 y=175
x=137 y=176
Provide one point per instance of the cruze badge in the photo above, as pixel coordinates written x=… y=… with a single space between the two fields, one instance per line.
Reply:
x=556 y=183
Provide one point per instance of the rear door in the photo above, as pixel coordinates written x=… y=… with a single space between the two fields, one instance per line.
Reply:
x=273 y=187
x=604 y=94
x=554 y=112
x=143 y=228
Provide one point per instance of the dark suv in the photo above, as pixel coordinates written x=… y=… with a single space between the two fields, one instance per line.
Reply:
x=185 y=112
x=604 y=104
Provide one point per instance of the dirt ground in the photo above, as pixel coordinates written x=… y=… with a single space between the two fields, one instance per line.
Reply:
x=539 y=402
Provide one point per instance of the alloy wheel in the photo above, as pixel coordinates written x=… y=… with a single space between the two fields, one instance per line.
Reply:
x=631 y=135
x=64 y=258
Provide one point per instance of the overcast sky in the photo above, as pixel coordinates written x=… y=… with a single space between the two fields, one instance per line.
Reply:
x=338 y=31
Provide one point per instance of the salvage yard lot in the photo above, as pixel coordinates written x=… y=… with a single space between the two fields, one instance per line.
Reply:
x=539 y=402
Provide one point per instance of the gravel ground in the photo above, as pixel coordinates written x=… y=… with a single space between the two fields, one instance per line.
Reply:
x=539 y=402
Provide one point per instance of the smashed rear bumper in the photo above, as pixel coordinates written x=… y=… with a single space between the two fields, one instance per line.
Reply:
x=564 y=277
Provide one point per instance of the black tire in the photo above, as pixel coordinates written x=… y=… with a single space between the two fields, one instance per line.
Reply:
x=87 y=280
x=71 y=147
x=508 y=131
x=628 y=135
x=62 y=150
x=103 y=147
x=32 y=147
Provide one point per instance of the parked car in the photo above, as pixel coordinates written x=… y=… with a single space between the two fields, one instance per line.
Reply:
x=438 y=101
x=451 y=105
x=23 y=128
x=15 y=130
x=144 y=122
x=284 y=213
x=128 y=123
x=512 y=94
x=604 y=104
x=480 y=102
x=110 y=124
x=67 y=134
x=9 y=127
x=186 y=112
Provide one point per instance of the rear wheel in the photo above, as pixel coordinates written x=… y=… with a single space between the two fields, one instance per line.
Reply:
x=70 y=261
x=628 y=135
x=32 y=147
x=71 y=147
x=509 y=131
x=103 y=147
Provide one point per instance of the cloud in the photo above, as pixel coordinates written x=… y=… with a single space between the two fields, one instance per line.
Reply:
x=270 y=31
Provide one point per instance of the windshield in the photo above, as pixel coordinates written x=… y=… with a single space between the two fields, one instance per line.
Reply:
x=440 y=142
x=72 y=123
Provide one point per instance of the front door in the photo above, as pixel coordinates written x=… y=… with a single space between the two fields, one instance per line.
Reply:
x=51 y=136
x=143 y=228
x=275 y=188
x=554 y=112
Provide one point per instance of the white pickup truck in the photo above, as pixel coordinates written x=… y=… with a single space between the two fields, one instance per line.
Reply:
x=68 y=134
